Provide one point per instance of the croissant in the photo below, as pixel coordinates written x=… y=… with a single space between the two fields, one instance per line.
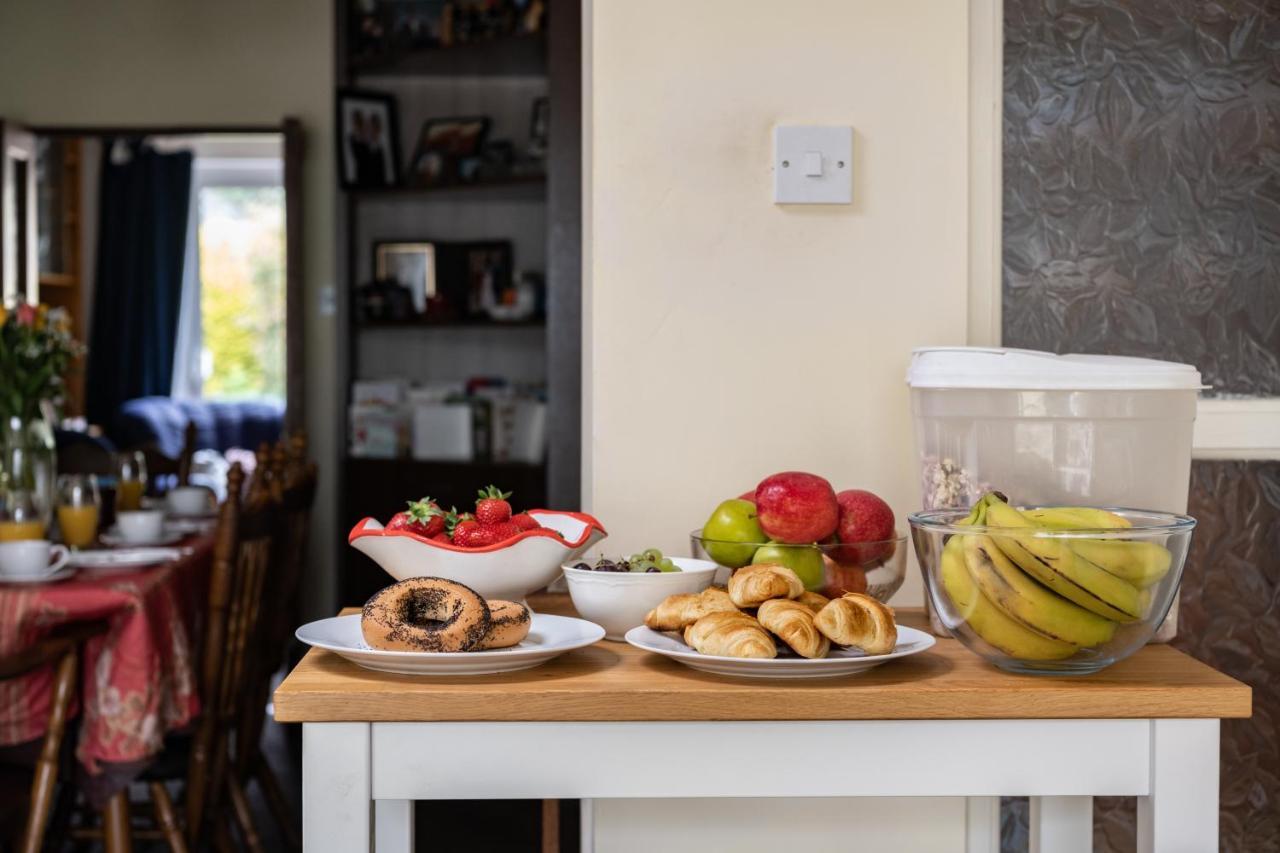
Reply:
x=751 y=585
x=813 y=600
x=676 y=612
x=731 y=635
x=860 y=621
x=792 y=621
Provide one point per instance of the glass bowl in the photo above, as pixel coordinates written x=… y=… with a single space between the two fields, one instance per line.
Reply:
x=1052 y=601
x=875 y=568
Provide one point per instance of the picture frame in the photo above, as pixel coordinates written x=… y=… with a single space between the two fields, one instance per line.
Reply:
x=411 y=265
x=539 y=126
x=442 y=146
x=368 y=139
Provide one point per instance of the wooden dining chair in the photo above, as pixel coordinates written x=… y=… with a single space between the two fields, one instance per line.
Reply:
x=160 y=465
x=62 y=650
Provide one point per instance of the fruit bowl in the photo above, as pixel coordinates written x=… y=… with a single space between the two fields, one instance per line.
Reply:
x=875 y=568
x=1058 y=599
x=510 y=570
x=618 y=601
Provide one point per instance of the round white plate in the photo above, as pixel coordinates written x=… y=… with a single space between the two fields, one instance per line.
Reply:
x=549 y=636
x=121 y=559
x=113 y=539
x=53 y=577
x=839 y=662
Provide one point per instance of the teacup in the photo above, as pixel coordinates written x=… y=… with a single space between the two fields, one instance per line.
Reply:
x=31 y=558
x=140 y=526
x=189 y=500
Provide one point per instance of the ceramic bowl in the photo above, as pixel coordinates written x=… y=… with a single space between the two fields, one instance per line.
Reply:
x=618 y=601
x=140 y=526
x=510 y=570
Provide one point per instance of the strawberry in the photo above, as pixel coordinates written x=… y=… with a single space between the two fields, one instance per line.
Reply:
x=524 y=521
x=442 y=537
x=501 y=531
x=468 y=533
x=424 y=517
x=492 y=506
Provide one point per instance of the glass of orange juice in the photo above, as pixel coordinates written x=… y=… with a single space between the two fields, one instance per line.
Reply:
x=78 y=503
x=131 y=480
x=19 y=518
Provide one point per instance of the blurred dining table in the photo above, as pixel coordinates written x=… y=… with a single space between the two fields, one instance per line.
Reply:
x=138 y=680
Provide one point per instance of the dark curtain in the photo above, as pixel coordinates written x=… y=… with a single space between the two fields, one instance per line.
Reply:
x=142 y=231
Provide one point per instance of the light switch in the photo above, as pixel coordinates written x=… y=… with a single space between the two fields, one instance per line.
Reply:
x=812 y=164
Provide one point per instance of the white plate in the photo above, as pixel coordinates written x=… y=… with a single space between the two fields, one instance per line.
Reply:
x=121 y=559
x=168 y=536
x=549 y=636
x=838 y=662
x=53 y=577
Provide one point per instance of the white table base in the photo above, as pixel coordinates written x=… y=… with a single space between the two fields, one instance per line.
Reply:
x=362 y=777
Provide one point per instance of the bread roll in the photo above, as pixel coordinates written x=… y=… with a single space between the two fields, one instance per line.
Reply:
x=751 y=585
x=812 y=600
x=859 y=621
x=730 y=635
x=676 y=612
x=793 y=623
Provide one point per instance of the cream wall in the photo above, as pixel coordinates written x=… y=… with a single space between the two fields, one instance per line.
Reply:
x=184 y=62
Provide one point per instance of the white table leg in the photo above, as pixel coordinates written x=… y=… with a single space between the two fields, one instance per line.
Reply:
x=1181 y=812
x=587 y=826
x=1061 y=824
x=336 y=788
x=393 y=826
x=982 y=825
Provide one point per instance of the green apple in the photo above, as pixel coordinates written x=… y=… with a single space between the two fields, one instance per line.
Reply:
x=733 y=521
x=804 y=560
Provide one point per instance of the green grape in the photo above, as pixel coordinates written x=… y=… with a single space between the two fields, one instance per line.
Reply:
x=640 y=565
x=653 y=554
x=667 y=566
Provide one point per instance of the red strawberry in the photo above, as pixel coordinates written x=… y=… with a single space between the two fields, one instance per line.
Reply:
x=442 y=537
x=500 y=532
x=492 y=506
x=524 y=521
x=467 y=533
x=424 y=517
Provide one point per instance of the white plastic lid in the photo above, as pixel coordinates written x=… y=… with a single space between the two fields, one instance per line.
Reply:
x=1030 y=370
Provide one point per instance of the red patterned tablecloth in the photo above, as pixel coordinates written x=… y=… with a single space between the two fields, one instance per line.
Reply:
x=138 y=679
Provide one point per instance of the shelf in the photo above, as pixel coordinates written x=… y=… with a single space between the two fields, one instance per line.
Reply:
x=510 y=56
x=419 y=323
x=516 y=187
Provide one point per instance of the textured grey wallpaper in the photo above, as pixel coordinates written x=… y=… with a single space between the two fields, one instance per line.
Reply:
x=1142 y=183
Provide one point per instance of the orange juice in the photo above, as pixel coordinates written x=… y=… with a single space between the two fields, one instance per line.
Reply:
x=129 y=494
x=12 y=531
x=79 y=524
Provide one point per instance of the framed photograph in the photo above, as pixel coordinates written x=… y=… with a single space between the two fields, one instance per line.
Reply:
x=442 y=145
x=539 y=127
x=411 y=265
x=368 y=139
x=488 y=269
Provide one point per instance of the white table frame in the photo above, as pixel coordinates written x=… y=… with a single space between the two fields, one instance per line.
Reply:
x=360 y=779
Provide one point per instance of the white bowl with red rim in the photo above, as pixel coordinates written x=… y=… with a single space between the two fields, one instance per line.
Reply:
x=510 y=570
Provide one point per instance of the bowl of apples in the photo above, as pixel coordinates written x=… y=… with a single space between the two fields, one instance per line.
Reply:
x=837 y=542
x=498 y=553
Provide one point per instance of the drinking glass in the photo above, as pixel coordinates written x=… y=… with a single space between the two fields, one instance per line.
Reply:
x=19 y=518
x=78 y=503
x=131 y=481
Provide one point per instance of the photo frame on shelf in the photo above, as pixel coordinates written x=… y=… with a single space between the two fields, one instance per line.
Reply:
x=443 y=145
x=412 y=265
x=539 y=126
x=368 y=139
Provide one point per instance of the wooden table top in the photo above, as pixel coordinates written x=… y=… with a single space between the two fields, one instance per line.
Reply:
x=612 y=681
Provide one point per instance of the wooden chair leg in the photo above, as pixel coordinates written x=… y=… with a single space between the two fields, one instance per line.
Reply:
x=222 y=836
x=44 y=786
x=167 y=818
x=243 y=814
x=277 y=804
x=550 y=826
x=116 y=834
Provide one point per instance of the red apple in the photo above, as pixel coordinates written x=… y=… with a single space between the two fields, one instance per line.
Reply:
x=748 y=496
x=840 y=579
x=796 y=508
x=864 y=517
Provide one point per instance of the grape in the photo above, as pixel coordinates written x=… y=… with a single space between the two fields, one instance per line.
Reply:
x=653 y=554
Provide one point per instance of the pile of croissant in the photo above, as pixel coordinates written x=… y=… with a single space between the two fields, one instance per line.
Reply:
x=766 y=601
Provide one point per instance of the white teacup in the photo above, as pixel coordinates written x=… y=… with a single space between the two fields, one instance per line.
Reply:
x=189 y=500
x=141 y=526
x=31 y=558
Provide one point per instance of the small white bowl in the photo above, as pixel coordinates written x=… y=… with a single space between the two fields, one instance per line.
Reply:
x=189 y=500
x=619 y=601
x=140 y=526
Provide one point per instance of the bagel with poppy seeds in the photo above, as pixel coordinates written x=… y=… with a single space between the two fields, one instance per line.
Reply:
x=425 y=615
x=509 y=623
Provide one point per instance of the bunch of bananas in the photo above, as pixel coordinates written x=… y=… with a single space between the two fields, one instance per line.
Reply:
x=1039 y=598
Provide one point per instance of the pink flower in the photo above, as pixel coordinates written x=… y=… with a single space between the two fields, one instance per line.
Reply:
x=26 y=314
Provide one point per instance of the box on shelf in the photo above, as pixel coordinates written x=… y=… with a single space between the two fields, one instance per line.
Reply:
x=378 y=431
x=519 y=430
x=443 y=431
x=378 y=392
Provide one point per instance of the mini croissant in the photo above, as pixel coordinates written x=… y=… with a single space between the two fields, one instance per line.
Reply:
x=751 y=585
x=792 y=621
x=813 y=600
x=676 y=612
x=860 y=621
x=731 y=635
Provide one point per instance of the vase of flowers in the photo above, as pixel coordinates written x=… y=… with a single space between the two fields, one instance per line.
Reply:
x=36 y=349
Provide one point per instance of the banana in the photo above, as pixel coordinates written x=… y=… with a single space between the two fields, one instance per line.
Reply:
x=988 y=621
x=1143 y=564
x=1013 y=591
x=1054 y=564
x=1076 y=518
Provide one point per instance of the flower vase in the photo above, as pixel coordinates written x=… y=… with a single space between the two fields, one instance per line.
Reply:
x=30 y=461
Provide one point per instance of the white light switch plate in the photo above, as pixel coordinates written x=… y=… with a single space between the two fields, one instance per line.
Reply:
x=800 y=151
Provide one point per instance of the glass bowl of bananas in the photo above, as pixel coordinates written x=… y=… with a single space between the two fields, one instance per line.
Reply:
x=1053 y=590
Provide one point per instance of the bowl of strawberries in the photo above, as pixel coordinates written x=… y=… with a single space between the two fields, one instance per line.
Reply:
x=498 y=553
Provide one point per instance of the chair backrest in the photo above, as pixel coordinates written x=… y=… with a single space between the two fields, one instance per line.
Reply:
x=159 y=465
